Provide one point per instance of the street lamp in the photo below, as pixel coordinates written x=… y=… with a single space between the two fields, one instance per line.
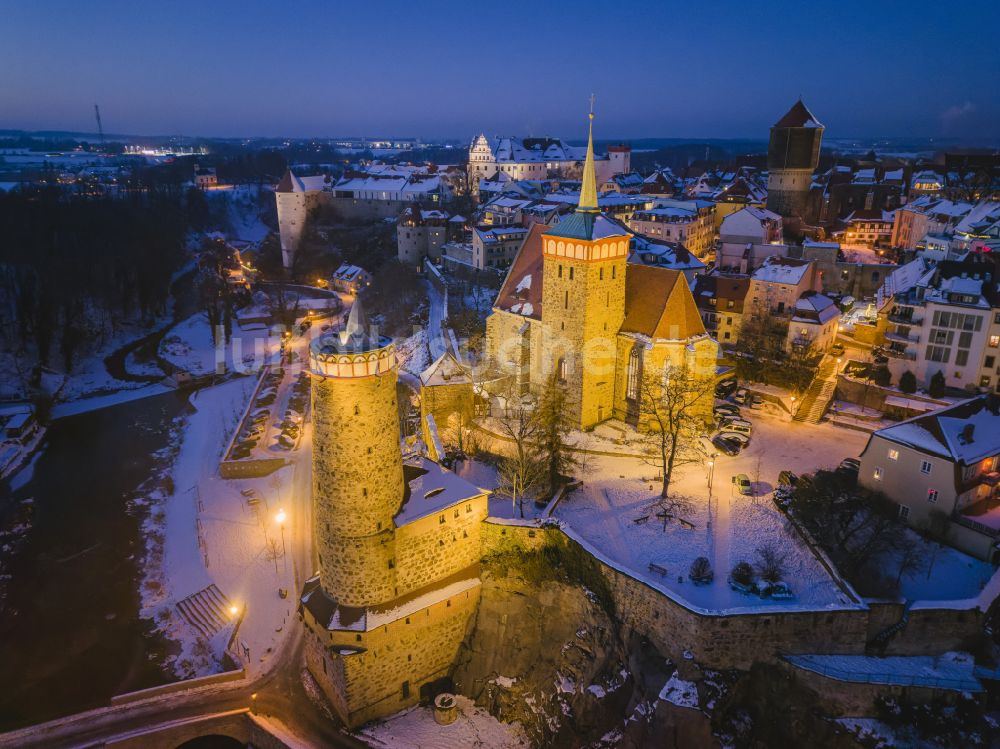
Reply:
x=280 y=517
x=234 y=610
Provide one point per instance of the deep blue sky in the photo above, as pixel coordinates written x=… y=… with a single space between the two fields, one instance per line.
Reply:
x=670 y=69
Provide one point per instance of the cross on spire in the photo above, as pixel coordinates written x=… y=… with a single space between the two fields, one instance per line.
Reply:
x=592 y=97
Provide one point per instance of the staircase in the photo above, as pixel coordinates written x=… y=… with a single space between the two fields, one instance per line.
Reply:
x=819 y=393
x=207 y=611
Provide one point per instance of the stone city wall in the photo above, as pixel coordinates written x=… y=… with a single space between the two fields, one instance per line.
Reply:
x=737 y=640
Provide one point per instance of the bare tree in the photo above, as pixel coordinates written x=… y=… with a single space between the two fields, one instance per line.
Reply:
x=675 y=402
x=770 y=563
x=910 y=559
x=521 y=469
x=936 y=527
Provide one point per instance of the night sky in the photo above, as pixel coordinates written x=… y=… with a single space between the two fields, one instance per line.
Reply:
x=446 y=69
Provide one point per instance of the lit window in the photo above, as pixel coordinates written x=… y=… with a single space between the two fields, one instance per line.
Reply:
x=932 y=495
x=925 y=467
x=894 y=455
x=878 y=474
x=994 y=341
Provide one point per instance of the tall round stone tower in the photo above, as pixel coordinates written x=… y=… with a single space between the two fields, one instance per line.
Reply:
x=792 y=157
x=357 y=462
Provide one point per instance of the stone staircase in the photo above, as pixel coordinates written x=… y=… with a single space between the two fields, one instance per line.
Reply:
x=207 y=611
x=819 y=393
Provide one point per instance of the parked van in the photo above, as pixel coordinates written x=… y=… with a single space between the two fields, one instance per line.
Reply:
x=740 y=426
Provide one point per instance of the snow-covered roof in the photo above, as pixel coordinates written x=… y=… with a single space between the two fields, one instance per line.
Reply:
x=784 y=270
x=815 y=308
x=965 y=433
x=445 y=370
x=431 y=488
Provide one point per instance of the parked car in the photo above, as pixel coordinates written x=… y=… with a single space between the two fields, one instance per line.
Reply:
x=741 y=395
x=852 y=465
x=740 y=439
x=706 y=446
x=743 y=485
x=726 y=409
x=725 y=388
x=787 y=478
x=725 y=446
x=837 y=349
x=756 y=401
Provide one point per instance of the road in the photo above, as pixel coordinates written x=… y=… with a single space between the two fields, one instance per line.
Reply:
x=436 y=341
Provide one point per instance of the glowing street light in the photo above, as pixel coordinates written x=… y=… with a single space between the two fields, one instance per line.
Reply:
x=280 y=518
x=234 y=610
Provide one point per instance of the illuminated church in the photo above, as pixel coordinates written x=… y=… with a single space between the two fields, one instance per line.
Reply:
x=573 y=305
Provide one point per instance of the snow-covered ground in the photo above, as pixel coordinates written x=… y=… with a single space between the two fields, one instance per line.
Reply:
x=415 y=729
x=615 y=511
x=207 y=532
x=949 y=574
x=190 y=346
x=242 y=212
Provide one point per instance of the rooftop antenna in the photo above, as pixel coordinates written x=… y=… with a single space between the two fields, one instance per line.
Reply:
x=100 y=128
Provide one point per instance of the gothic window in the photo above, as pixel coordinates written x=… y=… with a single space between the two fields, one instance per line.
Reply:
x=632 y=384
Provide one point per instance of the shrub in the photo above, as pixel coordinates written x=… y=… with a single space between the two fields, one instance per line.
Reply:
x=770 y=563
x=908 y=382
x=882 y=376
x=936 y=387
x=701 y=570
x=742 y=573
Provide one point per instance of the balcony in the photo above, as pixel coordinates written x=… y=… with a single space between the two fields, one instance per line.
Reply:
x=893 y=335
x=900 y=353
x=905 y=317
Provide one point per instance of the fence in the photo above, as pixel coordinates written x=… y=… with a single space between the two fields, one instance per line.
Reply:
x=890 y=678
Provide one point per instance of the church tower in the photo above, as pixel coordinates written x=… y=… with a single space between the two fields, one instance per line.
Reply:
x=357 y=465
x=583 y=300
x=792 y=157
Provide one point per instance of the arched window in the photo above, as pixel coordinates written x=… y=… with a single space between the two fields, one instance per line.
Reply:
x=632 y=375
x=561 y=369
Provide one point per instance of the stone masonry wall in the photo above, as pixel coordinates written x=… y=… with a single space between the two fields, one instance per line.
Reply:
x=357 y=484
x=428 y=549
x=403 y=656
x=738 y=640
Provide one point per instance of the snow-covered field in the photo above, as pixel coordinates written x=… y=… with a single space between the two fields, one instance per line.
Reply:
x=415 y=729
x=616 y=508
x=206 y=532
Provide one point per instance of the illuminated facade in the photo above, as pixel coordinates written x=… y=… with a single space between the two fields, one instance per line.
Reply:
x=396 y=541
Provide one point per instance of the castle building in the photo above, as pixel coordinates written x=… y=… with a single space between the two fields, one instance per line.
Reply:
x=792 y=157
x=539 y=159
x=397 y=541
x=572 y=307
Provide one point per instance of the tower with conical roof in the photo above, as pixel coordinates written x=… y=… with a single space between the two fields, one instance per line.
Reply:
x=792 y=157
x=583 y=300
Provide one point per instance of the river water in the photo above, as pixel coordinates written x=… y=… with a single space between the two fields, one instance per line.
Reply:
x=70 y=635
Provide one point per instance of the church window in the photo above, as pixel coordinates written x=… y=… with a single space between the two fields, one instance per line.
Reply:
x=562 y=369
x=632 y=384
